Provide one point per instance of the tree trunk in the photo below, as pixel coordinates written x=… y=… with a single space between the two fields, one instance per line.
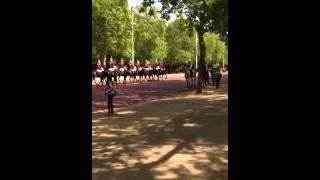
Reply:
x=201 y=64
x=101 y=55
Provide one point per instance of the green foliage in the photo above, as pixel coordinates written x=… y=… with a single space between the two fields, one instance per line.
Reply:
x=204 y=16
x=110 y=28
x=216 y=49
x=156 y=40
x=150 y=42
x=181 y=47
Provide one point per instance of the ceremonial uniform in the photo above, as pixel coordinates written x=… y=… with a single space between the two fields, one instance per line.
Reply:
x=122 y=65
x=99 y=68
x=111 y=65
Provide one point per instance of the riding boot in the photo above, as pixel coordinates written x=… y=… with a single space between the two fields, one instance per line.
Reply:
x=217 y=84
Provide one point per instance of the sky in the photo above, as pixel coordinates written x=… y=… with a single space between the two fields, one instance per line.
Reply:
x=133 y=3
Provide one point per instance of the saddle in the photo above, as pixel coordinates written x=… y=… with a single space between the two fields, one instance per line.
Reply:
x=112 y=69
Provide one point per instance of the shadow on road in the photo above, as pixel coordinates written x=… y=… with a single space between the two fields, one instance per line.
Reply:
x=182 y=138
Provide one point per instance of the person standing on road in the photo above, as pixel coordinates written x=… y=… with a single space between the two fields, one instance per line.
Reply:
x=110 y=93
x=213 y=76
x=218 y=77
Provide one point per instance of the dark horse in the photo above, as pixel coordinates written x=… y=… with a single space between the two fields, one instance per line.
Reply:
x=132 y=75
x=160 y=72
x=190 y=76
x=96 y=74
x=109 y=74
x=205 y=81
x=103 y=75
x=141 y=73
x=148 y=72
x=123 y=73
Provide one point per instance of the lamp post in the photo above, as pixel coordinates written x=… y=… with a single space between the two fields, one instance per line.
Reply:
x=132 y=44
x=196 y=50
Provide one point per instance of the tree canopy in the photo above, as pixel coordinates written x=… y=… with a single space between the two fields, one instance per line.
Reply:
x=154 y=38
x=203 y=16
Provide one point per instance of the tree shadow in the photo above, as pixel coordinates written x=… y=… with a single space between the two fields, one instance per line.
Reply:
x=187 y=138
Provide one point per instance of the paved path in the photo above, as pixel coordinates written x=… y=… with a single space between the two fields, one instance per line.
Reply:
x=130 y=94
x=184 y=136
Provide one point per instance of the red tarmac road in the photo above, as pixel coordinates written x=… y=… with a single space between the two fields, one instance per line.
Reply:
x=129 y=94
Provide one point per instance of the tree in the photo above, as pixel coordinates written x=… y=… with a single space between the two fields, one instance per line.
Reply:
x=110 y=28
x=181 y=46
x=216 y=49
x=203 y=15
x=150 y=42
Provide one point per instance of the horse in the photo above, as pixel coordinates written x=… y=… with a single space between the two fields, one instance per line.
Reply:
x=140 y=73
x=163 y=71
x=123 y=73
x=205 y=81
x=148 y=72
x=94 y=77
x=160 y=72
x=132 y=74
x=96 y=74
x=109 y=74
x=190 y=76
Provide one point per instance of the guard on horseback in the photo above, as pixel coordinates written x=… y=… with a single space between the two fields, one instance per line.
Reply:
x=132 y=67
x=111 y=65
x=98 y=73
x=147 y=65
x=122 y=65
x=158 y=66
x=190 y=66
x=161 y=66
x=100 y=69
x=139 y=66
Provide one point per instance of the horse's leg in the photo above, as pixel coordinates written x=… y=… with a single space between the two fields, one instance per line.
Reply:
x=102 y=79
x=130 y=77
x=94 y=79
x=99 y=81
x=115 y=79
x=187 y=81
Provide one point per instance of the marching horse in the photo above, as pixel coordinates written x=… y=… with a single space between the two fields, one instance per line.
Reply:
x=190 y=76
x=123 y=72
x=132 y=74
